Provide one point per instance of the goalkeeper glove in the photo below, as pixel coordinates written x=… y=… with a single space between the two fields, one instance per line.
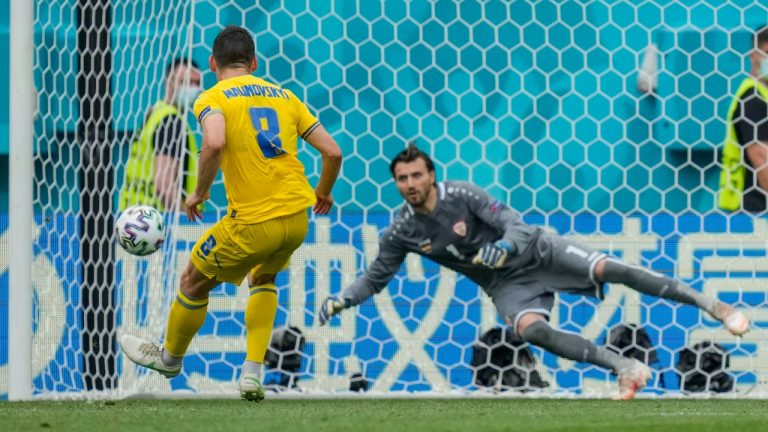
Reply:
x=493 y=255
x=330 y=307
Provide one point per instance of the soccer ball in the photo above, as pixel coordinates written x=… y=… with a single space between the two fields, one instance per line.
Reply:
x=140 y=230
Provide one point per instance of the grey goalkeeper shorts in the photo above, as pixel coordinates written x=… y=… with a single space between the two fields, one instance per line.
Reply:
x=563 y=266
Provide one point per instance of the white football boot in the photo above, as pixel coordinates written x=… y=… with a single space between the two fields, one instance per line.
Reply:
x=251 y=388
x=632 y=379
x=147 y=354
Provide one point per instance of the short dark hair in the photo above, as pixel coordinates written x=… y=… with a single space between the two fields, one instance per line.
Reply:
x=233 y=46
x=761 y=36
x=410 y=154
x=180 y=61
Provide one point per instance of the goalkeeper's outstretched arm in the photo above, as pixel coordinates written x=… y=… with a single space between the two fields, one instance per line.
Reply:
x=388 y=260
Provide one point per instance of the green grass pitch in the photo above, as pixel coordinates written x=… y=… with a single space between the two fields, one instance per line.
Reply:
x=391 y=415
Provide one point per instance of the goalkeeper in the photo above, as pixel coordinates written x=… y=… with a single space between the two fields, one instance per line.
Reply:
x=520 y=266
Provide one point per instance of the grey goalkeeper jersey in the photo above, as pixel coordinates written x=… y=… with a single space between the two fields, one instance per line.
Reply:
x=464 y=218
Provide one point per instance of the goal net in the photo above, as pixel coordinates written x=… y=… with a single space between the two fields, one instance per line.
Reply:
x=537 y=102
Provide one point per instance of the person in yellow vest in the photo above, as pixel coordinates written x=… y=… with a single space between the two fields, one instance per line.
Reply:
x=251 y=130
x=744 y=175
x=165 y=145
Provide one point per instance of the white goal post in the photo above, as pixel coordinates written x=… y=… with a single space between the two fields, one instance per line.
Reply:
x=600 y=121
x=20 y=199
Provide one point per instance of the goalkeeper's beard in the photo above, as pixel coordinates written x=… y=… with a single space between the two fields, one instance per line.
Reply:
x=417 y=198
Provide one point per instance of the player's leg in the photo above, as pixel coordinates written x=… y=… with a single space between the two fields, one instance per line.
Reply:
x=569 y=267
x=185 y=318
x=213 y=260
x=188 y=310
x=260 y=314
x=282 y=236
x=632 y=374
x=526 y=308
x=652 y=283
x=535 y=328
x=568 y=264
x=187 y=314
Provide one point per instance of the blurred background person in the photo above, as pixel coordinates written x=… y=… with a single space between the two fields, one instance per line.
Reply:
x=744 y=175
x=165 y=142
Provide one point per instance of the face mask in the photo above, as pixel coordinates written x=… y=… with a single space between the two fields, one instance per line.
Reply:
x=764 y=69
x=186 y=95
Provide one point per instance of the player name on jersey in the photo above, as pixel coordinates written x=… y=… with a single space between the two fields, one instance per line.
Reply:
x=256 y=90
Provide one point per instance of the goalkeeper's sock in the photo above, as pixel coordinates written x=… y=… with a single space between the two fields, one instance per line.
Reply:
x=655 y=284
x=573 y=347
x=259 y=318
x=185 y=319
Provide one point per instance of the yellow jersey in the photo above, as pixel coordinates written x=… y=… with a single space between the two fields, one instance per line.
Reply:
x=263 y=176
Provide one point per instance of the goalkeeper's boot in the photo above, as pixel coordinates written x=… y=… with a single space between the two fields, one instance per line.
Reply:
x=632 y=379
x=251 y=388
x=733 y=319
x=147 y=354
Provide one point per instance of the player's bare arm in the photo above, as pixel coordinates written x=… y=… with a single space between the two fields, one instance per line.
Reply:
x=214 y=139
x=331 y=165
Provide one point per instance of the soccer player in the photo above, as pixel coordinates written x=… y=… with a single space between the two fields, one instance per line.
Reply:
x=250 y=130
x=520 y=266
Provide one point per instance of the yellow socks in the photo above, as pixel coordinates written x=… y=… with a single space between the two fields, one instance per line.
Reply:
x=188 y=315
x=259 y=319
x=185 y=319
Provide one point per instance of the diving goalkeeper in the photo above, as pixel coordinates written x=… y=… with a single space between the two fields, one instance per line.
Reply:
x=520 y=266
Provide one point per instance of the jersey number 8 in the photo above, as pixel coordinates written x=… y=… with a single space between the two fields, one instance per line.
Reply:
x=267 y=126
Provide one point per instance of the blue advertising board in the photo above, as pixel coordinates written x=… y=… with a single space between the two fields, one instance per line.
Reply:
x=418 y=333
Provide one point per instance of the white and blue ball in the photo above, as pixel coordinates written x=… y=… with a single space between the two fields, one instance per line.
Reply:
x=140 y=230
